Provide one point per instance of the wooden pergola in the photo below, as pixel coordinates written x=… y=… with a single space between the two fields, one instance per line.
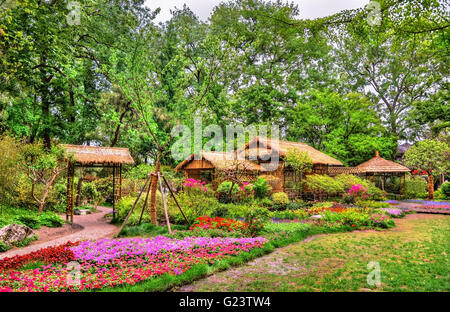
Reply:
x=383 y=168
x=94 y=156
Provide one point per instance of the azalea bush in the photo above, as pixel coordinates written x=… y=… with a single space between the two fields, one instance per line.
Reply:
x=193 y=185
x=116 y=262
x=359 y=193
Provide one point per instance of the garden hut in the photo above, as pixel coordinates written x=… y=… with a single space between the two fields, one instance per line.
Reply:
x=383 y=168
x=262 y=149
x=95 y=156
x=206 y=166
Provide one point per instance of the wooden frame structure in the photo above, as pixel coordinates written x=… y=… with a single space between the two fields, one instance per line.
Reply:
x=95 y=157
x=380 y=167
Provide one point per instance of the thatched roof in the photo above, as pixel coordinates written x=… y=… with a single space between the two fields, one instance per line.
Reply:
x=89 y=155
x=334 y=171
x=272 y=147
x=222 y=161
x=381 y=165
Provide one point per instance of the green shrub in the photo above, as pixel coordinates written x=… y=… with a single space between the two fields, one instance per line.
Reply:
x=319 y=183
x=445 y=188
x=224 y=192
x=4 y=247
x=415 y=187
x=50 y=219
x=261 y=188
x=280 y=198
x=31 y=221
x=439 y=195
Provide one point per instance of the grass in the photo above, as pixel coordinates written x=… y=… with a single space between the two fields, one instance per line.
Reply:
x=412 y=257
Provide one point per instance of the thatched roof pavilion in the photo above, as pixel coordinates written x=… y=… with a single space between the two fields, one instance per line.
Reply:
x=91 y=155
x=383 y=168
x=379 y=165
x=81 y=156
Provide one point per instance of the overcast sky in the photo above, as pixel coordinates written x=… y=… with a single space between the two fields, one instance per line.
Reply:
x=308 y=8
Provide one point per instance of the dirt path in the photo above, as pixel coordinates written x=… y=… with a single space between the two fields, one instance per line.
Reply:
x=92 y=226
x=284 y=263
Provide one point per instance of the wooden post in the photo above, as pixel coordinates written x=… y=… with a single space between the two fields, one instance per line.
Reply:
x=164 y=204
x=134 y=205
x=175 y=199
x=117 y=186
x=145 y=204
x=70 y=179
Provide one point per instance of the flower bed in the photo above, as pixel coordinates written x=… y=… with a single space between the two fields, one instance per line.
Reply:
x=208 y=223
x=110 y=263
x=395 y=213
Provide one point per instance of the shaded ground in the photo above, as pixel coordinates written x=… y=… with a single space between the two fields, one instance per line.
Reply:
x=413 y=257
x=92 y=226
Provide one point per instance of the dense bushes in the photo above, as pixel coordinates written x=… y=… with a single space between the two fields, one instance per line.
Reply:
x=416 y=187
x=30 y=218
x=445 y=188
x=324 y=185
x=261 y=188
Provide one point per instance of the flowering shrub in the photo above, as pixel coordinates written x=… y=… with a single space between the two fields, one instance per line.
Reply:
x=358 y=192
x=246 y=191
x=109 y=263
x=395 y=213
x=206 y=223
x=194 y=185
x=382 y=221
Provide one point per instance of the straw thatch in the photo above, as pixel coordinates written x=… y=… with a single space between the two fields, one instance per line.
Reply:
x=381 y=165
x=90 y=155
x=334 y=171
x=266 y=147
x=222 y=161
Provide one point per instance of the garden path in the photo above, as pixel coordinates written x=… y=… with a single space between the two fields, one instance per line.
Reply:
x=92 y=226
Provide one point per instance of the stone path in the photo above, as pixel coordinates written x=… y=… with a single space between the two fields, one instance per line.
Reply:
x=92 y=226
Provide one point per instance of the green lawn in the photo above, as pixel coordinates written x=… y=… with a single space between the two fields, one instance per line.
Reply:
x=413 y=257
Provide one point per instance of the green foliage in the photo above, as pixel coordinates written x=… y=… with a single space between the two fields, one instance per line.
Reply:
x=446 y=189
x=49 y=219
x=225 y=195
x=299 y=161
x=261 y=188
x=280 y=198
x=4 y=247
x=319 y=183
x=344 y=126
x=431 y=156
x=415 y=187
x=29 y=220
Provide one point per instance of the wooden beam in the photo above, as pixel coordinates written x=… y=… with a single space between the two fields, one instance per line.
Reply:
x=70 y=181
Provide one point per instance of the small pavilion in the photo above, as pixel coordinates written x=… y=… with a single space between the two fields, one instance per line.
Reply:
x=383 y=168
x=95 y=157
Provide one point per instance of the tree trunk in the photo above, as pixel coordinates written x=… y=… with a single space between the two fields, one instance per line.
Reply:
x=154 y=186
x=430 y=186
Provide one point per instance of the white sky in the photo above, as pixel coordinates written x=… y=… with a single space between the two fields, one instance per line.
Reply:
x=308 y=8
